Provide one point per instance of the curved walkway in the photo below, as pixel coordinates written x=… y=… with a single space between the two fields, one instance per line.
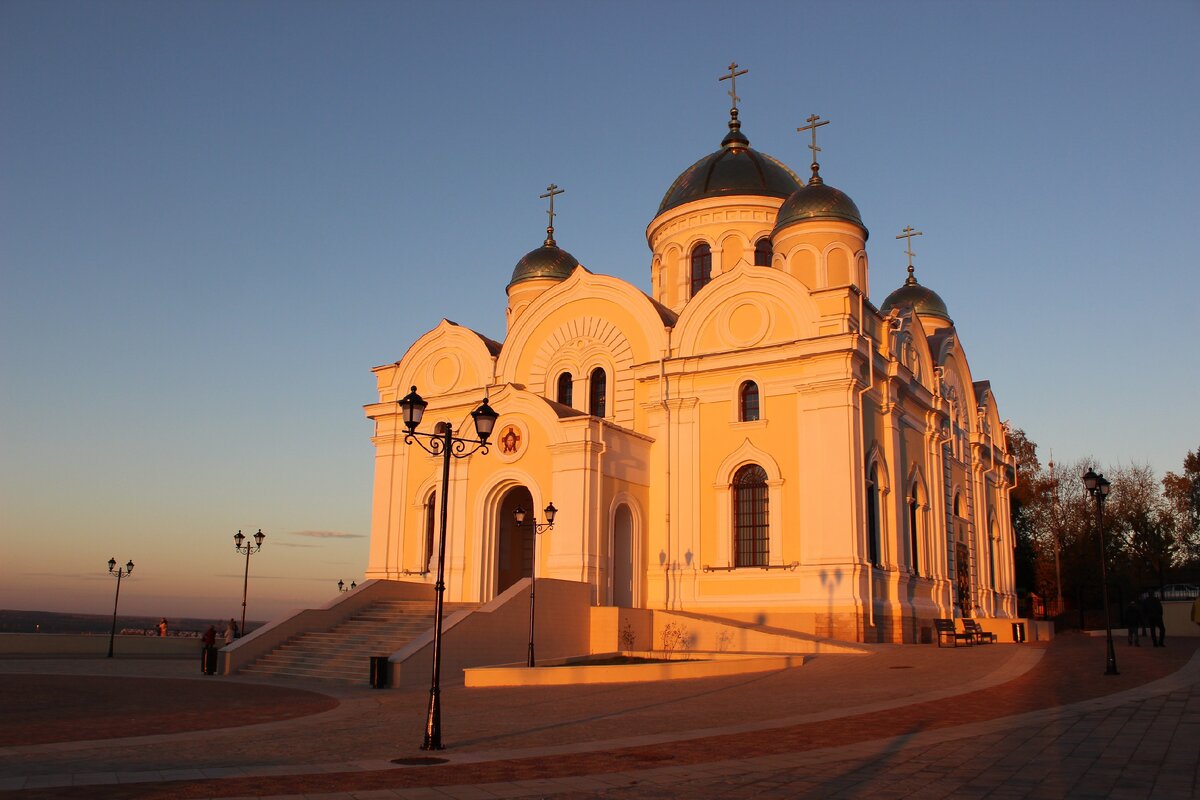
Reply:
x=1003 y=721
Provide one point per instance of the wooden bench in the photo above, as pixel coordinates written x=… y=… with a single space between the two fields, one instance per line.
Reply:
x=946 y=631
x=977 y=633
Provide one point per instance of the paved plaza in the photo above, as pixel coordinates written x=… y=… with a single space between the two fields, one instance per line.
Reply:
x=1002 y=721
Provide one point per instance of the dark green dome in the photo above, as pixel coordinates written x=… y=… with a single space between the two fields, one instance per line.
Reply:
x=924 y=302
x=548 y=261
x=734 y=169
x=818 y=200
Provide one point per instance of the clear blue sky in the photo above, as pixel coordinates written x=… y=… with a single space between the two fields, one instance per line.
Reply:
x=216 y=217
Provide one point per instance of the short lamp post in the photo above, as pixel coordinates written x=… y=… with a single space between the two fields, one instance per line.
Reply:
x=1098 y=488
x=519 y=514
x=442 y=442
x=343 y=588
x=120 y=572
x=243 y=545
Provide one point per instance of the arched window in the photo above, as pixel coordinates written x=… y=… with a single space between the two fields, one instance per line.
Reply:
x=763 y=252
x=430 y=516
x=913 y=532
x=701 y=267
x=873 y=547
x=748 y=402
x=751 y=529
x=565 y=387
x=597 y=392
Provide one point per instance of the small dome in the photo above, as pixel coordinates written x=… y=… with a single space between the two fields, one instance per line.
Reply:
x=734 y=169
x=548 y=261
x=924 y=302
x=818 y=200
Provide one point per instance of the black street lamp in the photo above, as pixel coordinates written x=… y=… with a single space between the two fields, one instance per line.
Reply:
x=442 y=442
x=247 y=548
x=120 y=572
x=1098 y=488
x=343 y=588
x=538 y=527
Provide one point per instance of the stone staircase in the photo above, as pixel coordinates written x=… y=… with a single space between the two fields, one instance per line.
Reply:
x=343 y=652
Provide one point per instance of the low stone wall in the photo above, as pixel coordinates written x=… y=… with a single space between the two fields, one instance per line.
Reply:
x=71 y=645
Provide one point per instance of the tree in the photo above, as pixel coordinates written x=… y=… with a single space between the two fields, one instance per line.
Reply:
x=1183 y=494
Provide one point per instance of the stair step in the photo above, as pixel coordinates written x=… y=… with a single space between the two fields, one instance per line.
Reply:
x=343 y=652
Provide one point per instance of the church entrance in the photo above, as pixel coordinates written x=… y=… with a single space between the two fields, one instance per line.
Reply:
x=514 y=546
x=622 y=558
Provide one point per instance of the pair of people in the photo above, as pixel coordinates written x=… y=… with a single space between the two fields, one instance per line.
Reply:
x=209 y=639
x=1147 y=614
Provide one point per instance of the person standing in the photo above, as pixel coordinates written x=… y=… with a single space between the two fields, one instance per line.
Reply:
x=230 y=632
x=1133 y=619
x=162 y=627
x=1153 y=611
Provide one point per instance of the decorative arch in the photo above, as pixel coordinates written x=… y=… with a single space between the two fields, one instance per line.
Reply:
x=770 y=305
x=488 y=510
x=747 y=453
x=447 y=359
x=615 y=550
x=920 y=545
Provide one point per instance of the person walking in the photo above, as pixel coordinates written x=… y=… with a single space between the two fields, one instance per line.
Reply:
x=1133 y=619
x=1153 y=612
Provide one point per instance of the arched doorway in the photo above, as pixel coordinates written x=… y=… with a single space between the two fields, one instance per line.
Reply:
x=622 y=557
x=514 y=546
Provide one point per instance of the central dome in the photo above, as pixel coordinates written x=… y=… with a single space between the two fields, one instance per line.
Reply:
x=734 y=169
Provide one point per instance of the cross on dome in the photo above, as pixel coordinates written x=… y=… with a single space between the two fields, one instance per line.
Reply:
x=732 y=78
x=812 y=125
x=551 y=190
x=908 y=234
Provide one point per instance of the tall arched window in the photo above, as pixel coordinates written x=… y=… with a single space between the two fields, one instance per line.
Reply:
x=873 y=547
x=913 y=532
x=597 y=392
x=763 y=252
x=701 y=267
x=430 y=516
x=748 y=402
x=565 y=387
x=751 y=529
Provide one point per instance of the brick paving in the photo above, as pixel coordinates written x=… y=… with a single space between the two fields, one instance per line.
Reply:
x=1000 y=721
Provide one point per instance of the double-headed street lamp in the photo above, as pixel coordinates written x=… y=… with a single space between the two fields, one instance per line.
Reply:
x=343 y=588
x=538 y=527
x=120 y=572
x=247 y=548
x=442 y=442
x=1098 y=488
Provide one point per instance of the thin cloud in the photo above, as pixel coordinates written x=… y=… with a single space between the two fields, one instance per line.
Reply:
x=294 y=544
x=328 y=535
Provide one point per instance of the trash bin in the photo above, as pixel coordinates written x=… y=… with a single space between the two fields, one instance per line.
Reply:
x=208 y=661
x=380 y=672
x=1018 y=632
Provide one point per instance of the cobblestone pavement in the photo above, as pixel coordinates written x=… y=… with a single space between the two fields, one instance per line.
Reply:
x=1000 y=721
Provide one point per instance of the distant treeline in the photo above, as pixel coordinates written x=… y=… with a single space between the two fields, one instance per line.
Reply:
x=12 y=621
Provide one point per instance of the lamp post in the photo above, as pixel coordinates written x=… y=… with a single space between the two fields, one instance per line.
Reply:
x=442 y=442
x=343 y=588
x=247 y=548
x=538 y=527
x=1098 y=488
x=120 y=572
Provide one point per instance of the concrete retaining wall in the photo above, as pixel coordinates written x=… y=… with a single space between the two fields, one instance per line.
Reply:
x=73 y=645
x=498 y=633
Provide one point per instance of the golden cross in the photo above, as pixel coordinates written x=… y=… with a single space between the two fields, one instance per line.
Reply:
x=732 y=78
x=908 y=234
x=551 y=190
x=812 y=126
